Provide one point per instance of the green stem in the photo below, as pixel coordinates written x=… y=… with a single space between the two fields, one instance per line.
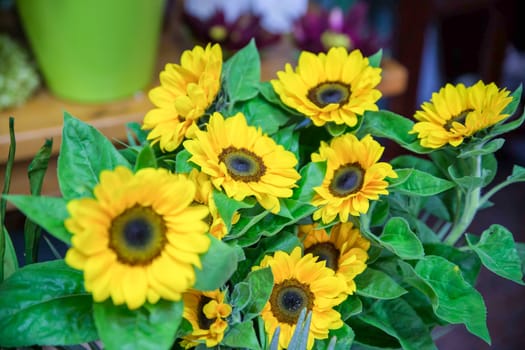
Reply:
x=7 y=183
x=472 y=204
x=493 y=191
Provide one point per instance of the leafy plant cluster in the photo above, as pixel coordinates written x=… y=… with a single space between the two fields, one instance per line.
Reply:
x=423 y=262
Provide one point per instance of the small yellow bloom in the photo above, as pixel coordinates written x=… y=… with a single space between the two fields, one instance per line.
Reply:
x=353 y=177
x=457 y=112
x=243 y=161
x=334 y=87
x=301 y=282
x=207 y=313
x=186 y=92
x=344 y=250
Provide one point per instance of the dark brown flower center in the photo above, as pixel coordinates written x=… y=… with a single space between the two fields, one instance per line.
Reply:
x=460 y=118
x=325 y=251
x=347 y=179
x=289 y=298
x=137 y=235
x=204 y=322
x=242 y=164
x=330 y=92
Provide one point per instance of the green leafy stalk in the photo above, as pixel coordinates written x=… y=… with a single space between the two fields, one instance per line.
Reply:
x=36 y=172
x=7 y=184
x=472 y=204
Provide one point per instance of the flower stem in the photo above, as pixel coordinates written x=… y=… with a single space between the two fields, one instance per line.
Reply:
x=472 y=204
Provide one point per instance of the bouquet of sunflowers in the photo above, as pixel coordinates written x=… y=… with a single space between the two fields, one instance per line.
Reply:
x=258 y=215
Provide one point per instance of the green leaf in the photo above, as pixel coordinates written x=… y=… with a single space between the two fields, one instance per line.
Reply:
x=416 y=162
x=399 y=238
x=398 y=319
x=241 y=336
x=228 y=206
x=289 y=139
x=350 y=307
x=378 y=285
x=418 y=183
x=241 y=73
x=312 y=175
x=456 y=301
x=392 y=126
x=136 y=135
x=467 y=260
x=335 y=129
x=489 y=147
x=45 y=304
x=146 y=158
x=518 y=174
x=261 y=113
x=497 y=250
x=271 y=225
x=375 y=59
x=218 y=264
x=36 y=173
x=379 y=211
x=48 y=212
x=344 y=335
x=240 y=296
x=261 y=286
x=38 y=167
x=10 y=262
x=368 y=337
x=182 y=162
x=84 y=153
x=153 y=326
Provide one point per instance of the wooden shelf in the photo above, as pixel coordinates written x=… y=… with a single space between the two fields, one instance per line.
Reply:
x=41 y=117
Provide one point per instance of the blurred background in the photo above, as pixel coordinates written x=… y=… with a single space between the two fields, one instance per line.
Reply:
x=425 y=44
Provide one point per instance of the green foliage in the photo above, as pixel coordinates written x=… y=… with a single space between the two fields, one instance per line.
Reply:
x=399 y=238
x=56 y=312
x=47 y=212
x=378 y=285
x=422 y=265
x=498 y=253
x=418 y=183
x=454 y=299
x=218 y=264
x=84 y=153
x=150 y=327
x=242 y=73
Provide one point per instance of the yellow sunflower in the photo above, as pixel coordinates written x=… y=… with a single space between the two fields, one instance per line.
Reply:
x=333 y=87
x=135 y=234
x=207 y=313
x=186 y=92
x=457 y=112
x=301 y=282
x=344 y=249
x=353 y=177
x=204 y=195
x=243 y=161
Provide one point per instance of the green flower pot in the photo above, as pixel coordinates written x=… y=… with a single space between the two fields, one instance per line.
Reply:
x=94 y=50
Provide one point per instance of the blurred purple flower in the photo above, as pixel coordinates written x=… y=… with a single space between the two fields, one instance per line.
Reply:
x=230 y=35
x=320 y=28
